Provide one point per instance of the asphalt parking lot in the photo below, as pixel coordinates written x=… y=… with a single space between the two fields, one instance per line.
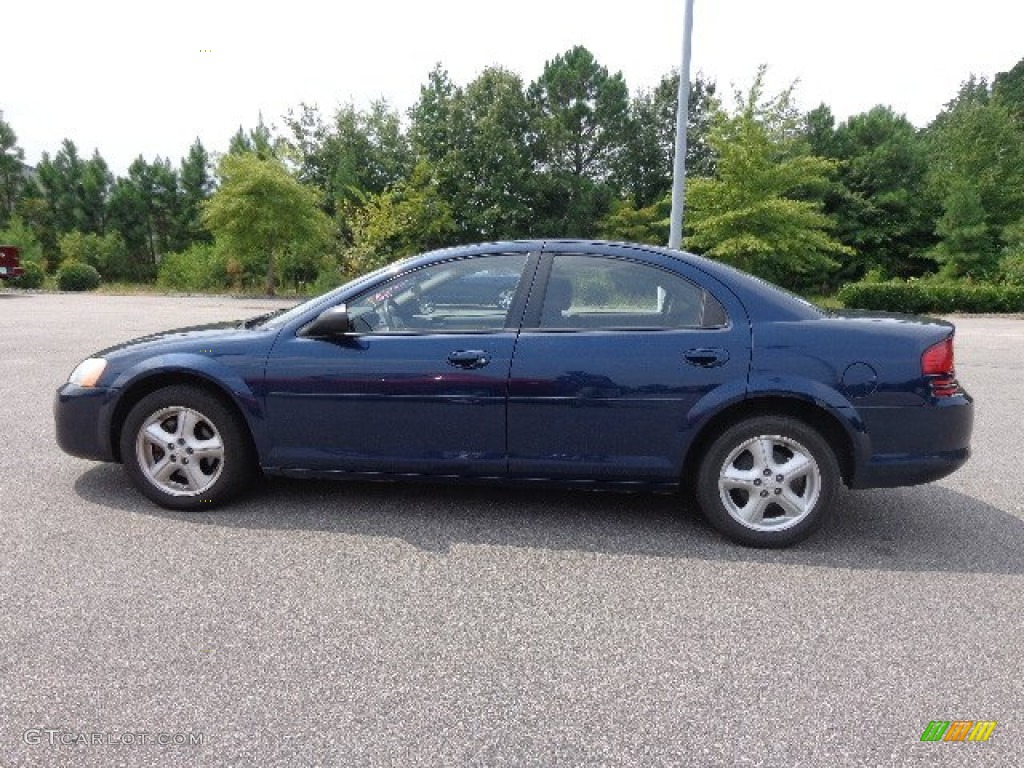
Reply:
x=355 y=624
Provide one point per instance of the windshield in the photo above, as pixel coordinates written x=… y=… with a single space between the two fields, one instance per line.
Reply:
x=282 y=317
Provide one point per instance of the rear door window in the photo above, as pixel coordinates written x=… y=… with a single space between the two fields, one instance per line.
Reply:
x=600 y=293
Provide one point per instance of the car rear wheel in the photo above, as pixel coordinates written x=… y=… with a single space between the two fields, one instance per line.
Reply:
x=186 y=449
x=768 y=482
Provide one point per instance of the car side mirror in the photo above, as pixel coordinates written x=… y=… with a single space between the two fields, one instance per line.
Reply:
x=329 y=323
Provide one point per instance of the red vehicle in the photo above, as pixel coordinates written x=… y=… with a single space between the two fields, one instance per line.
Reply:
x=10 y=262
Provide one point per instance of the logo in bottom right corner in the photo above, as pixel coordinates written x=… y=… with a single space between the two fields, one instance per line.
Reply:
x=958 y=730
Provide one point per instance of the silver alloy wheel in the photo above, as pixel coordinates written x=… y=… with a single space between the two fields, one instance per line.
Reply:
x=180 y=451
x=769 y=483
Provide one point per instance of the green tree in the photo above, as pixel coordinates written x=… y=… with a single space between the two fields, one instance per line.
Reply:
x=408 y=217
x=62 y=178
x=366 y=152
x=476 y=142
x=493 y=160
x=73 y=195
x=94 y=194
x=260 y=141
x=432 y=130
x=145 y=207
x=820 y=131
x=390 y=158
x=1011 y=262
x=969 y=247
x=879 y=198
x=976 y=150
x=1008 y=90
x=758 y=212
x=12 y=171
x=59 y=179
x=628 y=223
x=261 y=211
x=127 y=213
x=196 y=186
x=437 y=133
x=33 y=209
x=582 y=119
x=583 y=113
x=360 y=153
x=305 y=144
x=644 y=169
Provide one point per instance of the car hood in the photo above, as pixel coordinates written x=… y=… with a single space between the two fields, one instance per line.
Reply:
x=184 y=339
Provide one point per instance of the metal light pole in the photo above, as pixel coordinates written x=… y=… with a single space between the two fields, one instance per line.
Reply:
x=675 y=237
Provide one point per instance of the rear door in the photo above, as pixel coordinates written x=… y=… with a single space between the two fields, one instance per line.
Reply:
x=615 y=351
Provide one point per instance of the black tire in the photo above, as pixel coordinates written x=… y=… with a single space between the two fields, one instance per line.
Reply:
x=202 y=476
x=773 y=502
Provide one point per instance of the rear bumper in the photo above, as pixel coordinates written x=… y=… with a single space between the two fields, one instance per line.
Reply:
x=894 y=471
x=915 y=445
x=82 y=419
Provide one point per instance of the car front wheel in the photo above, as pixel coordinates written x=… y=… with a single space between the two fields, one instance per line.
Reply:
x=768 y=481
x=186 y=449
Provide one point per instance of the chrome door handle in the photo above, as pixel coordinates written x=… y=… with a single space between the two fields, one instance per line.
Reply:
x=469 y=358
x=706 y=357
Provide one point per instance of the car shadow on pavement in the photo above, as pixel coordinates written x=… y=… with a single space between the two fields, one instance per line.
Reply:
x=927 y=528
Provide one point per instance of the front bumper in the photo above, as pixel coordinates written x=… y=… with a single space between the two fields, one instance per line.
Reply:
x=82 y=417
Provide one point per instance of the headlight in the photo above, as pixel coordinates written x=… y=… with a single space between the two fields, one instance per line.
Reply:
x=88 y=372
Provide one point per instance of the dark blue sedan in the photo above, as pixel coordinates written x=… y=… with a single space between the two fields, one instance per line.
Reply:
x=578 y=363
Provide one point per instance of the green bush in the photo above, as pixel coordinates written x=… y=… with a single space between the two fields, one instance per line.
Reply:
x=32 y=277
x=1011 y=268
x=75 y=276
x=200 y=268
x=925 y=296
x=107 y=253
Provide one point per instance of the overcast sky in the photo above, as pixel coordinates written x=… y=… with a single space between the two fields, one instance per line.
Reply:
x=147 y=78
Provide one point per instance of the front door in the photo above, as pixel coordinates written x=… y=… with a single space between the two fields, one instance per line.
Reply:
x=421 y=387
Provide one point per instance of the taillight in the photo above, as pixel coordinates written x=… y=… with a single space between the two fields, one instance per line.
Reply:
x=937 y=366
